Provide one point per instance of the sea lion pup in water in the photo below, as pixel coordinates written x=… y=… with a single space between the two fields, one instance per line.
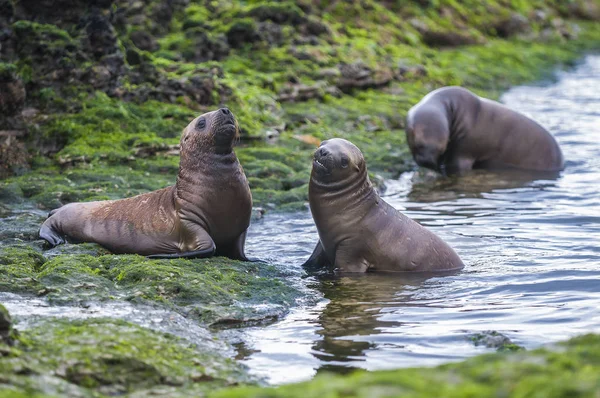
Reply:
x=206 y=212
x=360 y=232
x=452 y=130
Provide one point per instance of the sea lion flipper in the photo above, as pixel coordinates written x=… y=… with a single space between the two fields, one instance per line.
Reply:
x=50 y=235
x=193 y=254
x=318 y=259
x=235 y=249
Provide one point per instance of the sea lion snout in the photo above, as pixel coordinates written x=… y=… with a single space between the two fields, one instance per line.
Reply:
x=426 y=157
x=225 y=127
x=322 y=161
x=337 y=158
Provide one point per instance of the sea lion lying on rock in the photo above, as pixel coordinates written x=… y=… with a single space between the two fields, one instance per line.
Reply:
x=452 y=130
x=206 y=212
x=359 y=231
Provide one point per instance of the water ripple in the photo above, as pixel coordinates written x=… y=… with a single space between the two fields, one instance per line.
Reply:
x=531 y=245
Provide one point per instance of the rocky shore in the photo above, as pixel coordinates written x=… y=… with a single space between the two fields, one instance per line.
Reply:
x=93 y=97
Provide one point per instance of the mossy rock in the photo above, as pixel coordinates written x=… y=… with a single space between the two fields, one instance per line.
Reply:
x=108 y=357
x=278 y=12
x=210 y=291
x=567 y=369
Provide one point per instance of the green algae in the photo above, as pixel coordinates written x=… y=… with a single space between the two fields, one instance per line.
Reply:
x=567 y=369
x=211 y=291
x=284 y=47
x=108 y=357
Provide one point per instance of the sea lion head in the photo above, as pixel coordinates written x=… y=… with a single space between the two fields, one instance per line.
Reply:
x=214 y=131
x=337 y=160
x=427 y=134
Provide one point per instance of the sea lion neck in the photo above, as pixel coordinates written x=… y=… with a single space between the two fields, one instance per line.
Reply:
x=461 y=109
x=354 y=191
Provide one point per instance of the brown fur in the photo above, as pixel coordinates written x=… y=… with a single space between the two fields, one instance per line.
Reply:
x=360 y=232
x=452 y=130
x=207 y=211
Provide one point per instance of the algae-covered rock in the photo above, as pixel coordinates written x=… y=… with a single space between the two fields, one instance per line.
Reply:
x=109 y=357
x=567 y=369
x=493 y=339
x=209 y=291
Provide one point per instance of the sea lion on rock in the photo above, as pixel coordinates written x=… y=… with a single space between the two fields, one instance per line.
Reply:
x=452 y=130
x=206 y=212
x=360 y=232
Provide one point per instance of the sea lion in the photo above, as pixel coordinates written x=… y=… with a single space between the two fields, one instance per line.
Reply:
x=452 y=130
x=359 y=231
x=206 y=212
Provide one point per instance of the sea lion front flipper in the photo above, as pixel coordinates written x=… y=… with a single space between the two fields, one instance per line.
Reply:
x=318 y=259
x=235 y=249
x=347 y=262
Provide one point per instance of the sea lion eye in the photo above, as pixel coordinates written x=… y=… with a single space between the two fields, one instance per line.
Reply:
x=201 y=123
x=344 y=162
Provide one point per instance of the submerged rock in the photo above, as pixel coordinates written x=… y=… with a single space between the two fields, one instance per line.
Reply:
x=493 y=339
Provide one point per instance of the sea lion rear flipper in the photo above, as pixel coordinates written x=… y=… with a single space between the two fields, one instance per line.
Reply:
x=200 y=240
x=318 y=259
x=50 y=235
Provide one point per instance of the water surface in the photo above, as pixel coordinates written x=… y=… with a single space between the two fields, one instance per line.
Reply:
x=531 y=245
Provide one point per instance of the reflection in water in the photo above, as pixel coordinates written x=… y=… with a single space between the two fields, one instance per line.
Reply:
x=355 y=309
x=531 y=245
x=428 y=186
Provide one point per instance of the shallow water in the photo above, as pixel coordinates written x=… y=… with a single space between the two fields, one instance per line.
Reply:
x=531 y=245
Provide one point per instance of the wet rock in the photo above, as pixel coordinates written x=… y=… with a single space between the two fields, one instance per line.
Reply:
x=314 y=27
x=6 y=13
x=52 y=53
x=515 y=24
x=242 y=32
x=302 y=92
x=205 y=47
x=99 y=76
x=539 y=16
x=12 y=91
x=58 y=12
x=358 y=75
x=271 y=33
x=493 y=339
x=448 y=38
x=585 y=9
x=280 y=13
x=144 y=151
x=101 y=36
x=258 y=213
x=406 y=72
x=144 y=41
x=14 y=158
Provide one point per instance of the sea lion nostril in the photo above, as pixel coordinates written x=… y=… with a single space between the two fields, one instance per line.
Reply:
x=225 y=111
x=323 y=152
